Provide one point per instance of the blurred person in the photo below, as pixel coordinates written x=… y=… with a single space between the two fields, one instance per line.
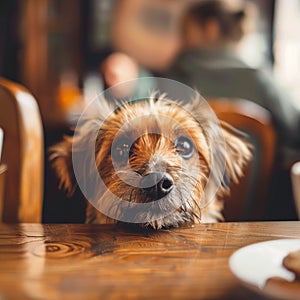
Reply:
x=118 y=68
x=211 y=31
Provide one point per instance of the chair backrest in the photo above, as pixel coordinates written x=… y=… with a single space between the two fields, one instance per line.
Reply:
x=248 y=199
x=22 y=154
x=295 y=175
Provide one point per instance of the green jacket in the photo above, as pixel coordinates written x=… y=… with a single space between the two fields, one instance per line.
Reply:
x=222 y=74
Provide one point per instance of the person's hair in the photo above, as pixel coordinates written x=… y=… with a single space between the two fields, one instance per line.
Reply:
x=230 y=20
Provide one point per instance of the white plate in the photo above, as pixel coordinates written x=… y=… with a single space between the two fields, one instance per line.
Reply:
x=255 y=263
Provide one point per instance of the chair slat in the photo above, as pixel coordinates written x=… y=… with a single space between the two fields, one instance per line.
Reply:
x=22 y=154
x=248 y=199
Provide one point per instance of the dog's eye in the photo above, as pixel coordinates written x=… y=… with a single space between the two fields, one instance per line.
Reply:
x=184 y=147
x=121 y=151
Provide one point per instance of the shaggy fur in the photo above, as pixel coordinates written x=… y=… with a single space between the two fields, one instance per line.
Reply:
x=155 y=152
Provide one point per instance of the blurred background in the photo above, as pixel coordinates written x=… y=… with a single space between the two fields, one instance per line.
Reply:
x=52 y=47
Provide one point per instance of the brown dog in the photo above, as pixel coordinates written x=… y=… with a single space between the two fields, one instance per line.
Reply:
x=159 y=153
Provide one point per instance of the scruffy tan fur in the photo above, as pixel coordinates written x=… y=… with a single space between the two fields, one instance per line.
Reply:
x=151 y=151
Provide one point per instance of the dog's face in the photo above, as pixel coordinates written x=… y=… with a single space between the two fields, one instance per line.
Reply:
x=161 y=153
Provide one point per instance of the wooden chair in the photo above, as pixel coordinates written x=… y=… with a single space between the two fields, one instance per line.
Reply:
x=22 y=154
x=248 y=199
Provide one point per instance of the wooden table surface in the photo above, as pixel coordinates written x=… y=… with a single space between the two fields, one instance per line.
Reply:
x=110 y=262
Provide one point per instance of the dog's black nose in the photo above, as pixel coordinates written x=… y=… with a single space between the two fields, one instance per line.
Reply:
x=157 y=184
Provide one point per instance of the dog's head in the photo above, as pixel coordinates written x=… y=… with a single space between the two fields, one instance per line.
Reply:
x=159 y=153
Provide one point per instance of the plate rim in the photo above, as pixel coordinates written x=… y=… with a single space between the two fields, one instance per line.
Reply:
x=256 y=288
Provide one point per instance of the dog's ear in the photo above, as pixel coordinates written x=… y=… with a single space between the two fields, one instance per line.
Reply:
x=80 y=146
x=237 y=153
x=61 y=159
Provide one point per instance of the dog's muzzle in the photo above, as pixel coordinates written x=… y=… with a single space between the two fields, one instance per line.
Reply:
x=156 y=185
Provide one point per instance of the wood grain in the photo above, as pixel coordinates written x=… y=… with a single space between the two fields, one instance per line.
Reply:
x=111 y=262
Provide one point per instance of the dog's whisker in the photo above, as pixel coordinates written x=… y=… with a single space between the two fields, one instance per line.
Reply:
x=130 y=197
x=194 y=201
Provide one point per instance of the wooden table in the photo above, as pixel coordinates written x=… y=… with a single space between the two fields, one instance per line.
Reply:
x=104 y=262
